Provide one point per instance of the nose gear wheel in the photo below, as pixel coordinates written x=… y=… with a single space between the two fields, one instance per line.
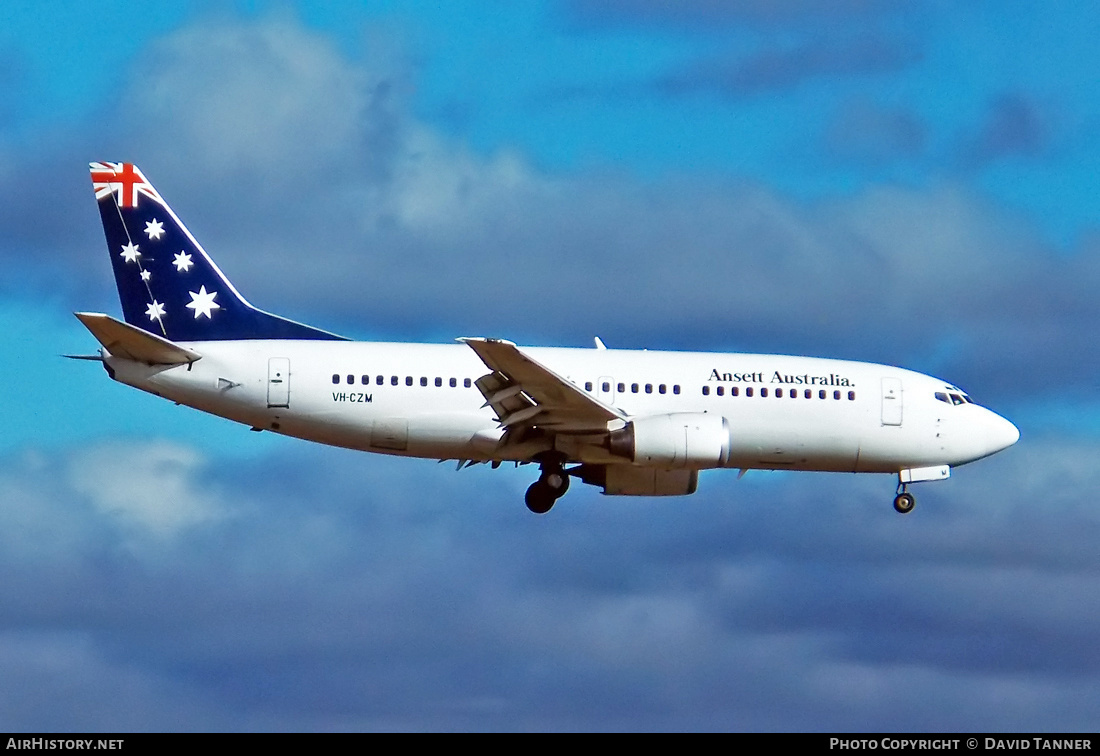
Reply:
x=904 y=501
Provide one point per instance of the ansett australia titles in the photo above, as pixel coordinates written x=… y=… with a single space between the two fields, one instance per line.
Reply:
x=832 y=379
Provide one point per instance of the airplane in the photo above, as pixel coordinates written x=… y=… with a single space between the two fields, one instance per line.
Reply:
x=633 y=423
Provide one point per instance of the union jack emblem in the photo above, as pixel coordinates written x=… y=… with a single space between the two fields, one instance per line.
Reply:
x=124 y=180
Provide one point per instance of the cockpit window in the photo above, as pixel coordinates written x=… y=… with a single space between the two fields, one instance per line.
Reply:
x=956 y=399
x=942 y=397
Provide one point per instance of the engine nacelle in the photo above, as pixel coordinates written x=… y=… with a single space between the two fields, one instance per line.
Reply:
x=693 y=440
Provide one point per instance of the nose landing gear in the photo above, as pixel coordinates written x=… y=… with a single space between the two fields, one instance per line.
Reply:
x=904 y=501
x=552 y=484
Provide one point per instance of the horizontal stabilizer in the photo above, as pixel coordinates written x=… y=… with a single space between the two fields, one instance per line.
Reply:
x=131 y=343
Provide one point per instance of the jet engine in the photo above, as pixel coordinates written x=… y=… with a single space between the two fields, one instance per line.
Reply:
x=692 y=440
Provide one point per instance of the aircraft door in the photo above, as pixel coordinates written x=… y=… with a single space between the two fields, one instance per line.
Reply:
x=605 y=390
x=278 y=382
x=891 y=401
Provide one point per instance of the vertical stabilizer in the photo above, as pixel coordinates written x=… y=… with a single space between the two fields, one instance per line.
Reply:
x=168 y=285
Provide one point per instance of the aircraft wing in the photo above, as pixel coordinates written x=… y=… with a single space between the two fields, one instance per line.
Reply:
x=525 y=393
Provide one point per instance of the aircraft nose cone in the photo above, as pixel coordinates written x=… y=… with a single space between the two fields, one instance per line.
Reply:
x=1002 y=434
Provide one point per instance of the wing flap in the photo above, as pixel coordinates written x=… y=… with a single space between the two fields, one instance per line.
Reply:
x=131 y=343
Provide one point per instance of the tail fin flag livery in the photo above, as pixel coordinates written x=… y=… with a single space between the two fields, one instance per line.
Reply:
x=168 y=285
x=630 y=422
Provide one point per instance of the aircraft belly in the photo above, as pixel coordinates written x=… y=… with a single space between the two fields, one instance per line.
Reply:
x=889 y=448
x=453 y=436
x=775 y=446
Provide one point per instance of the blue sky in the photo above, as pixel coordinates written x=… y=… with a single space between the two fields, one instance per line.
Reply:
x=903 y=182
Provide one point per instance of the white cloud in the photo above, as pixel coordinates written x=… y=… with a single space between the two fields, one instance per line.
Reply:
x=229 y=98
x=155 y=487
x=275 y=107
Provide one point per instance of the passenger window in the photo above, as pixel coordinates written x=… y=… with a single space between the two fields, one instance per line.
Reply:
x=706 y=390
x=634 y=388
x=851 y=396
x=351 y=380
x=836 y=395
x=423 y=380
x=606 y=387
x=735 y=391
x=821 y=394
x=721 y=390
x=779 y=393
x=622 y=388
x=807 y=394
x=408 y=380
x=748 y=391
x=763 y=392
x=661 y=389
x=466 y=382
x=380 y=380
x=649 y=388
x=438 y=382
x=365 y=380
x=393 y=380
x=588 y=385
x=336 y=379
x=794 y=393
x=454 y=382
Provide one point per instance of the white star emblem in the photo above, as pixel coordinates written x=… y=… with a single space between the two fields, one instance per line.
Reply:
x=203 y=302
x=154 y=229
x=145 y=275
x=155 y=310
x=130 y=252
x=183 y=262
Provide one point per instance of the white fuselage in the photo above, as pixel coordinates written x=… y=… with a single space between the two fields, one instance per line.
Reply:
x=796 y=413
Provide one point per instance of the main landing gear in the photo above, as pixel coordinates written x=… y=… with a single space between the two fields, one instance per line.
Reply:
x=552 y=484
x=904 y=501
